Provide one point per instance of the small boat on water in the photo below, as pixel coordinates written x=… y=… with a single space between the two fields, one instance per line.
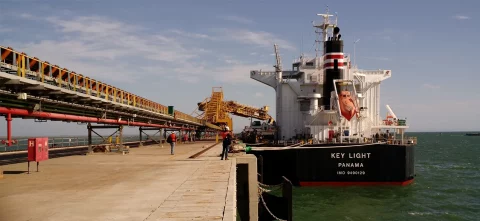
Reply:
x=472 y=134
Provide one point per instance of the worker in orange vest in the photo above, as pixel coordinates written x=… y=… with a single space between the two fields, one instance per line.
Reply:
x=172 y=139
x=226 y=131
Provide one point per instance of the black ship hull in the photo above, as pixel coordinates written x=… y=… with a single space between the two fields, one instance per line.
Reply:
x=337 y=164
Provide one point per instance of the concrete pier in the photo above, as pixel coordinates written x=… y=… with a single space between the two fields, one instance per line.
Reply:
x=147 y=184
x=247 y=187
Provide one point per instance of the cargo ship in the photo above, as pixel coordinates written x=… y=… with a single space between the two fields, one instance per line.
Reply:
x=328 y=128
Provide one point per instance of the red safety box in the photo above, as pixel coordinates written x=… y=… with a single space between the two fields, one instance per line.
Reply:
x=38 y=149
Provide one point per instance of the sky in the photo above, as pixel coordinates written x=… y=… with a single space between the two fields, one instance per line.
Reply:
x=174 y=52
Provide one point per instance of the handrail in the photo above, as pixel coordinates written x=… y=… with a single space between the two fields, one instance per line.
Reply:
x=60 y=142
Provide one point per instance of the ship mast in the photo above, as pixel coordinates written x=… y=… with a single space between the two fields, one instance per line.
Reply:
x=322 y=30
x=278 y=66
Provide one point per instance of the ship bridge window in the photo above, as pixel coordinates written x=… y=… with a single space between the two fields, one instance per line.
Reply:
x=296 y=66
x=304 y=105
x=309 y=64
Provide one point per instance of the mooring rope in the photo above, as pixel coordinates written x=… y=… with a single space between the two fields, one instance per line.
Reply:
x=270 y=186
x=268 y=210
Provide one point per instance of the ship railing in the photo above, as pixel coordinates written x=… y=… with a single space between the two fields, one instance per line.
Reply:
x=391 y=123
x=410 y=140
x=406 y=141
x=370 y=72
x=319 y=60
x=61 y=142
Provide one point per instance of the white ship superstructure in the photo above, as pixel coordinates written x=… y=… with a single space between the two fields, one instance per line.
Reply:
x=303 y=105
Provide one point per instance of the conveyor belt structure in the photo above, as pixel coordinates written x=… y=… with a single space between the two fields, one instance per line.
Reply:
x=47 y=91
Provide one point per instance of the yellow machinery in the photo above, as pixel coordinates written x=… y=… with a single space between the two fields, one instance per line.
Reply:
x=216 y=110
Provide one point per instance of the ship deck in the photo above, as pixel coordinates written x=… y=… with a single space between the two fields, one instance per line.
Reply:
x=326 y=145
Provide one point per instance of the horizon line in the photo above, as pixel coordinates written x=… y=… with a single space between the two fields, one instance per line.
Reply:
x=130 y=135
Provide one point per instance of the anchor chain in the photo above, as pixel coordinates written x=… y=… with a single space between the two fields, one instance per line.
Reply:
x=262 y=190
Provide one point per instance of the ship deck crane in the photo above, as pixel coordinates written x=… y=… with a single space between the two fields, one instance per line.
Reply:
x=216 y=111
x=391 y=117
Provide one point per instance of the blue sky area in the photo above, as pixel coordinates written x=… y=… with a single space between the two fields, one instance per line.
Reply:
x=174 y=52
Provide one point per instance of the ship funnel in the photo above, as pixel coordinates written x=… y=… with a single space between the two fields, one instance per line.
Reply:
x=333 y=66
x=336 y=31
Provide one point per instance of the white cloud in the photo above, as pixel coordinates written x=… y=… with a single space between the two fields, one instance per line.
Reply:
x=258 y=94
x=4 y=29
x=230 y=61
x=188 y=79
x=73 y=55
x=236 y=72
x=259 y=38
x=461 y=17
x=99 y=32
x=191 y=35
x=26 y=16
x=430 y=86
x=237 y=19
x=378 y=58
x=392 y=35
x=111 y=50
x=419 y=115
x=101 y=48
x=239 y=73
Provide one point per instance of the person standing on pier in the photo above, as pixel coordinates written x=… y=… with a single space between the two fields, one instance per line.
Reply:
x=227 y=141
x=226 y=131
x=172 y=139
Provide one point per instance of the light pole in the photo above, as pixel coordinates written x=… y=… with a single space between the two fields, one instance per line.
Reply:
x=354 y=57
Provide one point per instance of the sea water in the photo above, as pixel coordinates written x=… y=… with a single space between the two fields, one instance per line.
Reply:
x=447 y=187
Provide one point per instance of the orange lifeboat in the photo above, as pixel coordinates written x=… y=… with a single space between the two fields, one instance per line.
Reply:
x=347 y=105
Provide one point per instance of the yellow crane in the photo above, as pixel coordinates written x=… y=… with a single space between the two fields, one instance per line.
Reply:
x=216 y=111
